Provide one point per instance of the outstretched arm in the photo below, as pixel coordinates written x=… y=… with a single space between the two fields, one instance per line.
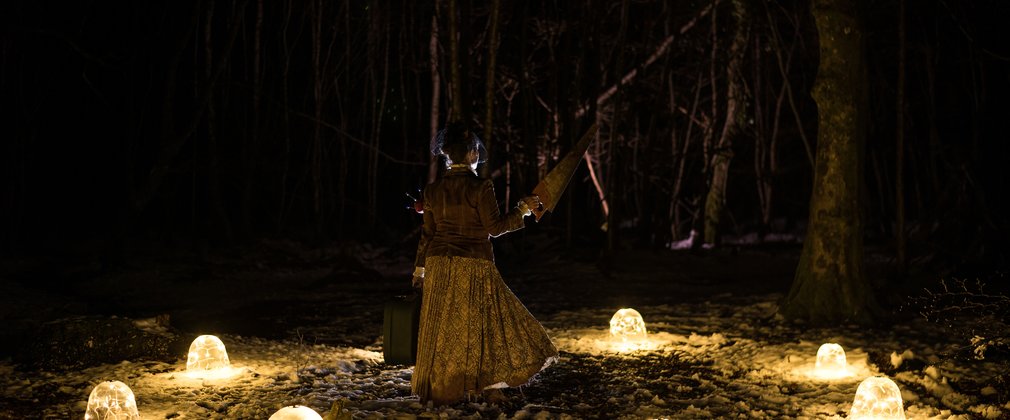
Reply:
x=490 y=216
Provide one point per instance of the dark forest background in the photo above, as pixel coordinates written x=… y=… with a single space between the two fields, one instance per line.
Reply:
x=205 y=124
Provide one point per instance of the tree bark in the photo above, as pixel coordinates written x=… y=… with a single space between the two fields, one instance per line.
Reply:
x=736 y=115
x=489 y=83
x=829 y=285
x=380 y=37
x=285 y=97
x=680 y=156
x=457 y=96
x=251 y=150
x=784 y=65
x=899 y=170
x=436 y=90
x=215 y=201
x=172 y=141
x=316 y=150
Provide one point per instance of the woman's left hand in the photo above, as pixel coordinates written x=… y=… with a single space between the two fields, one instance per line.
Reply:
x=417 y=279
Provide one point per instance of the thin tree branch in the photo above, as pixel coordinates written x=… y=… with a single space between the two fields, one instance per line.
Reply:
x=348 y=136
x=663 y=48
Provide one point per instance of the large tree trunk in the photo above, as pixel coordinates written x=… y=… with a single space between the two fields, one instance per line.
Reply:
x=829 y=285
x=736 y=112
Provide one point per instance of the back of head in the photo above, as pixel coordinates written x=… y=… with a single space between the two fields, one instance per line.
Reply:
x=455 y=141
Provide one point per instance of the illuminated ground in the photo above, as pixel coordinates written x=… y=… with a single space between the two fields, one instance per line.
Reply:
x=304 y=329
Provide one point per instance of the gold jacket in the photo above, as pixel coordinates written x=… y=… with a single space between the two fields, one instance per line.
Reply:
x=461 y=216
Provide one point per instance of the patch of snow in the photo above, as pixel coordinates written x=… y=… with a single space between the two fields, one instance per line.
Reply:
x=685 y=243
x=723 y=356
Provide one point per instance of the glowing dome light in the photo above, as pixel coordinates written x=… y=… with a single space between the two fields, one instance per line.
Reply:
x=296 y=412
x=627 y=324
x=877 y=398
x=112 y=400
x=207 y=353
x=831 y=363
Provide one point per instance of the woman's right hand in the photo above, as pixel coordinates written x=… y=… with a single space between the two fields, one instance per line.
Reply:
x=533 y=202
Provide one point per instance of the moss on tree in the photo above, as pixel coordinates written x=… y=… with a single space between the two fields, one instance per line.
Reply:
x=829 y=285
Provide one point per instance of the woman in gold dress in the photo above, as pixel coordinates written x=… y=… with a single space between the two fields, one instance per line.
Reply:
x=475 y=336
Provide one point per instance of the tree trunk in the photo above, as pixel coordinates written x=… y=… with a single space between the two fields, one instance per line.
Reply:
x=436 y=90
x=784 y=65
x=489 y=83
x=285 y=158
x=899 y=179
x=173 y=141
x=613 y=148
x=380 y=39
x=680 y=156
x=829 y=285
x=457 y=70
x=722 y=155
x=344 y=170
x=316 y=150
x=251 y=150
x=215 y=201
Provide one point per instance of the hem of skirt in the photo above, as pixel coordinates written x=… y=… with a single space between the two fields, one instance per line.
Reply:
x=504 y=384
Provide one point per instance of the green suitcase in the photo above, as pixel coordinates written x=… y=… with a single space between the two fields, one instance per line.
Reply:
x=400 y=322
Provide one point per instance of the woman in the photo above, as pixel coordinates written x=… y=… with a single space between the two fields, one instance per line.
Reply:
x=475 y=335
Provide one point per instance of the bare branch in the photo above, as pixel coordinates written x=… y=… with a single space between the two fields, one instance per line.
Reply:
x=663 y=48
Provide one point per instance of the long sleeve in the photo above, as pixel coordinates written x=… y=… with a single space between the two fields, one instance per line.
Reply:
x=490 y=216
x=427 y=232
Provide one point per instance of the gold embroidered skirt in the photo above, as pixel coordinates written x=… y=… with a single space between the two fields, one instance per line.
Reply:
x=474 y=334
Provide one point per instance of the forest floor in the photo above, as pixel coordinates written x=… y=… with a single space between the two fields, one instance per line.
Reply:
x=303 y=326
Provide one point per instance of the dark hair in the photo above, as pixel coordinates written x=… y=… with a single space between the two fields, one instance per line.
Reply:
x=457 y=140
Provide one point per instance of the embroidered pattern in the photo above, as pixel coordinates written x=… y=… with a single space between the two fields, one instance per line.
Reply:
x=474 y=333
